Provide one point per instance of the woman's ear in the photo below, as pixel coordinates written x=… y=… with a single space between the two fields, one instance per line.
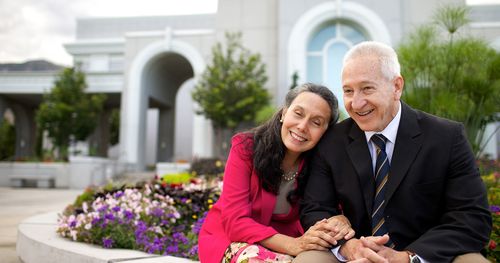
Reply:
x=283 y=112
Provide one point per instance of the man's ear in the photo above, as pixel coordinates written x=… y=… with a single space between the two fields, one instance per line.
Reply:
x=399 y=83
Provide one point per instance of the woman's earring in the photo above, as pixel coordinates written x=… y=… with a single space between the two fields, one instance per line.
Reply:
x=281 y=120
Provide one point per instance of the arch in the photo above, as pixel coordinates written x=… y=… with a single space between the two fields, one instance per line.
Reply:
x=311 y=20
x=134 y=99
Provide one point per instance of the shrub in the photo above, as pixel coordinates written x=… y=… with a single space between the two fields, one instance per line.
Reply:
x=208 y=167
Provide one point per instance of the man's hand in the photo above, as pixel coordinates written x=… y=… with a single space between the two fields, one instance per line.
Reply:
x=340 y=227
x=393 y=256
x=355 y=250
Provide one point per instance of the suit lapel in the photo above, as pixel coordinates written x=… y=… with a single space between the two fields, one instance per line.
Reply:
x=357 y=149
x=408 y=144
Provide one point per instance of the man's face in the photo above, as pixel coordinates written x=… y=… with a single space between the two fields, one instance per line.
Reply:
x=370 y=98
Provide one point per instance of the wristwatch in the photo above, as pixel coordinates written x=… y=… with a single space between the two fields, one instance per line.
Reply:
x=413 y=257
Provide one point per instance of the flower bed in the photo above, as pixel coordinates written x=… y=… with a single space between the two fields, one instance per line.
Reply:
x=155 y=217
x=491 y=176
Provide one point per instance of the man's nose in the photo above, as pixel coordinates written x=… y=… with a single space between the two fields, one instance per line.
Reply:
x=358 y=101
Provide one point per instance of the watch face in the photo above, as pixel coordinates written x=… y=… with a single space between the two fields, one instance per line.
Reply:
x=414 y=259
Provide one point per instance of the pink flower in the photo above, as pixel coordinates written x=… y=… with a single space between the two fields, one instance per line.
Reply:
x=266 y=254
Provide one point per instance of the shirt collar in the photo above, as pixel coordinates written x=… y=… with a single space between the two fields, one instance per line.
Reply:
x=390 y=131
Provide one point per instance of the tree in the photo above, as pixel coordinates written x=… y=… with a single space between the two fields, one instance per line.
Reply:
x=67 y=113
x=452 y=75
x=114 y=127
x=231 y=90
x=7 y=140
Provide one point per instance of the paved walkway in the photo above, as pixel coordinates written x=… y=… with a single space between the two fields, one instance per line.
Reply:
x=17 y=204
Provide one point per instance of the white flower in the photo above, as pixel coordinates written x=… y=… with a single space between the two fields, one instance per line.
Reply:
x=73 y=234
x=85 y=207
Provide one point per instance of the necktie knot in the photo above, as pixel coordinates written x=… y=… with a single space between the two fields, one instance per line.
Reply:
x=379 y=140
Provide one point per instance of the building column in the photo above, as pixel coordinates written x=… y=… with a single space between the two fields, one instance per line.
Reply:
x=100 y=137
x=165 y=146
x=3 y=107
x=25 y=130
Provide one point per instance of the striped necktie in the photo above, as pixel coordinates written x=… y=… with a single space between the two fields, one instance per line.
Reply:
x=381 y=175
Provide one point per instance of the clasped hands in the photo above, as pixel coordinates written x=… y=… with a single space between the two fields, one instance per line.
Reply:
x=326 y=233
x=372 y=249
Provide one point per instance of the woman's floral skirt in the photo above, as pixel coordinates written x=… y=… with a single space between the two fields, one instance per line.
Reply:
x=239 y=252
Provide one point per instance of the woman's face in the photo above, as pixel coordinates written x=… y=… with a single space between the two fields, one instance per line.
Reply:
x=304 y=122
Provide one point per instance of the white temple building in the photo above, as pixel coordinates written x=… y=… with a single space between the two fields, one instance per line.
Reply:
x=148 y=66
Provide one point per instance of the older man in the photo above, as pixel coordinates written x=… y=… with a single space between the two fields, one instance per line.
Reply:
x=406 y=180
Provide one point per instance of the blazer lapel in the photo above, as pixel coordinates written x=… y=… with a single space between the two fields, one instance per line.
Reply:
x=408 y=144
x=357 y=149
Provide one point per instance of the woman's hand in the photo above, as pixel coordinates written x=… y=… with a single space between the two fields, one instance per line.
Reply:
x=323 y=235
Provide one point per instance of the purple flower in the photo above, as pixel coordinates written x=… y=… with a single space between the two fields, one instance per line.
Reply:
x=102 y=209
x=116 y=209
x=198 y=224
x=107 y=242
x=172 y=249
x=128 y=215
x=193 y=251
x=118 y=194
x=109 y=216
x=157 y=212
x=95 y=221
x=72 y=223
x=494 y=208
x=179 y=236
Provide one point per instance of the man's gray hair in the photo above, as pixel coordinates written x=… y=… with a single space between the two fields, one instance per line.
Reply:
x=385 y=54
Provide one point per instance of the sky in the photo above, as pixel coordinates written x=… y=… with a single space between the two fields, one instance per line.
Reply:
x=37 y=29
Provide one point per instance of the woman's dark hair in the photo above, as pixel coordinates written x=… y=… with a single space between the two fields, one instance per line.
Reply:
x=268 y=147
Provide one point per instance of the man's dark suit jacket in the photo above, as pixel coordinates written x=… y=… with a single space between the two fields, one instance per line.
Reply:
x=436 y=204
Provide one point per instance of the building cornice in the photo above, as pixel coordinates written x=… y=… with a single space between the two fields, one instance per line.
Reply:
x=93 y=46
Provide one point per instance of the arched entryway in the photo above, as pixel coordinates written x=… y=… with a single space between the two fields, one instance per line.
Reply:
x=163 y=78
x=159 y=78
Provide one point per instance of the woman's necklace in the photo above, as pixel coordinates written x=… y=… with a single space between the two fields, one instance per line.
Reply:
x=290 y=175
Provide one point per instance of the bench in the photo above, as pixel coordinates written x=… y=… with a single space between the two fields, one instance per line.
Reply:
x=27 y=180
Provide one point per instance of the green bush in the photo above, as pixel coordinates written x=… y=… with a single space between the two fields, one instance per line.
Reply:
x=209 y=167
x=452 y=75
x=7 y=140
x=177 y=178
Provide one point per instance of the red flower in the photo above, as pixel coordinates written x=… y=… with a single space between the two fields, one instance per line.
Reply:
x=492 y=244
x=176 y=185
x=194 y=181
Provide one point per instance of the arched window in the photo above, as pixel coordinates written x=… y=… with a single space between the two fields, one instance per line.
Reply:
x=325 y=51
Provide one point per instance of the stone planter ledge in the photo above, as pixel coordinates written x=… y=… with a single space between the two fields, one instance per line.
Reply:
x=38 y=242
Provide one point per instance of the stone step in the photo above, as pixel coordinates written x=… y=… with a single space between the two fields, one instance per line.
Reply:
x=38 y=242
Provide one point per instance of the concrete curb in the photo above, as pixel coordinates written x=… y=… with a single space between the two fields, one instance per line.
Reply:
x=38 y=242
